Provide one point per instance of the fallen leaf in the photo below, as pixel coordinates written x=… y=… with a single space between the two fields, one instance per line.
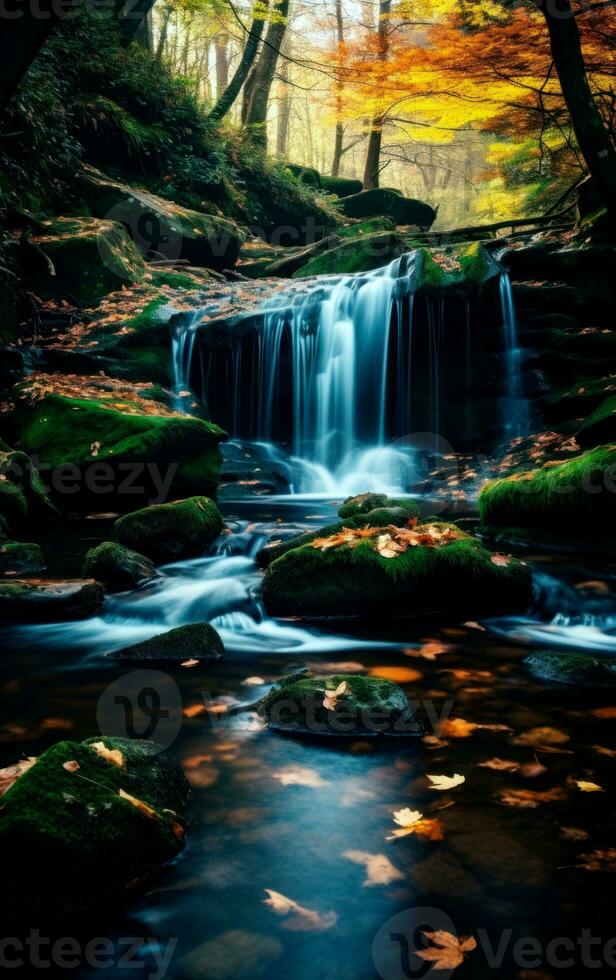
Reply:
x=304 y=919
x=587 y=787
x=194 y=710
x=446 y=782
x=448 y=951
x=433 y=742
x=541 y=737
x=429 y=651
x=459 y=728
x=379 y=869
x=71 y=766
x=530 y=799
x=604 y=712
x=114 y=756
x=300 y=776
x=602 y=750
x=11 y=774
x=144 y=808
x=399 y=675
x=500 y=765
x=472 y=625
x=574 y=833
x=501 y=560
x=413 y=822
x=253 y=681
x=189 y=663
x=598 y=860
x=330 y=699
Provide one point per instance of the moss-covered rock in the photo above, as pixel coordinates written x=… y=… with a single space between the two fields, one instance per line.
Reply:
x=364 y=705
x=367 y=227
x=25 y=601
x=117 y=567
x=71 y=841
x=360 y=254
x=574 y=499
x=160 y=227
x=567 y=667
x=399 y=516
x=89 y=258
x=455 y=578
x=18 y=558
x=196 y=640
x=362 y=503
x=23 y=496
x=382 y=200
x=341 y=186
x=99 y=452
x=182 y=529
x=600 y=427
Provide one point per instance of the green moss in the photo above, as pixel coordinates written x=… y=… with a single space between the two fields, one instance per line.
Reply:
x=566 y=667
x=369 y=705
x=63 y=430
x=458 y=577
x=340 y=186
x=366 y=227
x=600 y=427
x=576 y=497
x=196 y=640
x=386 y=201
x=117 y=567
x=28 y=602
x=360 y=254
x=169 y=531
x=361 y=504
x=90 y=257
x=21 y=559
x=71 y=843
x=23 y=496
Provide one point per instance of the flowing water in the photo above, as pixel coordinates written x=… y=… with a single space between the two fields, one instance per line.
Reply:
x=309 y=819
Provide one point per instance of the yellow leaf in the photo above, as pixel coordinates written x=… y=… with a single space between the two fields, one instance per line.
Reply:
x=304 y=919
x=442 y=783
x=114 y=756
x=71 y=766
x=587 y=787
x=379 y=869
x=144 y=808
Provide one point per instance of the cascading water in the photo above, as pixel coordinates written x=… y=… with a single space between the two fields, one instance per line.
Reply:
x=347 y=371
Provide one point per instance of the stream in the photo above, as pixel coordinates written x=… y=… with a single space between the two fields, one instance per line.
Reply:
x=308 y=818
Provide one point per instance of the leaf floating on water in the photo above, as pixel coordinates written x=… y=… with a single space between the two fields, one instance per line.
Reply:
x=11 y=774
x=400 y=675
x=443 y=783
x=602 y=750
x=189 y=663
x=544 y=738
x=434 y=742
x=304 y=919
x=300 y=776
x=587 y=787
x=379 y=869
x=472 y=625
x=413 y=822
x=459 y=728
x=71 y=766
x=144 y=808
x=253 y=681
x=194 y=710
x=574 y=833
x=330 y=699
x=114 y=756
x=499 y=765
x=528 y=799
x=429 y=651
x=598 y=860
x=448 y=951
x=604 y=712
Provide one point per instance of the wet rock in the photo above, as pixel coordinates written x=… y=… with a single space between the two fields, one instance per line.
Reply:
x=566 y=667
x=600 y=427
x=21 y=559
x=341 y=186
x=27 y=601
x=355 y=705
x=117 y=567
x=360 y=254
x=198 y=641
x=234 y=953
x=167 y=532
x=361 y=504
x=457 y=578
x=71 y=841
x=23 y=496
x=404 y=210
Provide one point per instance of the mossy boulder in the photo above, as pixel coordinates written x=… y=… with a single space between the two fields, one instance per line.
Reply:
x=90 y=258
x=23 y=495
x=380 y=516
x=117 y=567
x=600 y=427
x=567 y=667
x=383 y=200
x=362 y=503
x=575 y=499
x=456 y=578
x=24 y=601
x=100 y=453
x=18 y=558
x=72 y=842
x=196 y=640
x=166 y=532
x=341 y=186
x=364 y=706
x=161 y=227
x=367 y=227
x=306 y=175
x=361 y=254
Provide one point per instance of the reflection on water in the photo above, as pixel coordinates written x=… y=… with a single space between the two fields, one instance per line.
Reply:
x=309 y=820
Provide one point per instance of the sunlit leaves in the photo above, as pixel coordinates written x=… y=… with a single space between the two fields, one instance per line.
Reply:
x=299 y=918
x=379 y=869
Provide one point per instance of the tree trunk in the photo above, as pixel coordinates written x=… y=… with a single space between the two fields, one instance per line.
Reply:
x=21 y=38
x=373 y=156
x=222 y=65
x=256 y=115
x=164 y=30
x=284 y=107
x=590 y=132
x=249 y=54
x=339 y=136
x=133 y=20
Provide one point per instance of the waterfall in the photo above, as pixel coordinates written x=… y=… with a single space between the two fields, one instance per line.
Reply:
x=516 y=408
x=346 y=371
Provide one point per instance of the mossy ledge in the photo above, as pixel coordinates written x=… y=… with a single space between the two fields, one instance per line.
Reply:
x=457 y=578
x=167 y=532
x=70 y=842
